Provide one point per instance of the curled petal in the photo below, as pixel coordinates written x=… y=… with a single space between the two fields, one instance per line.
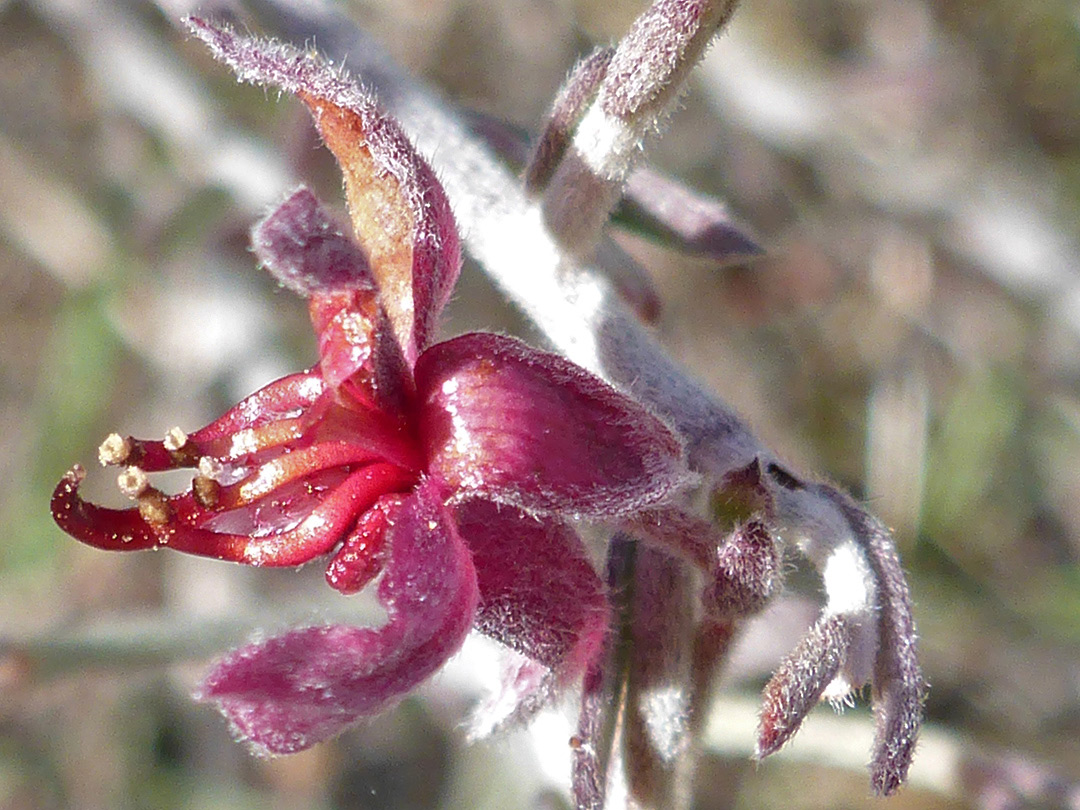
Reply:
x=799 y=683
x=303 y=249
x=520 y=426
x=361 y=556
x=399 y=211
x=899 y=689
x=539 y=594
x=288 y=693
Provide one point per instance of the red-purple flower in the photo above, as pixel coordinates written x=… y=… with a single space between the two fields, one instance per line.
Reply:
x=448 y=469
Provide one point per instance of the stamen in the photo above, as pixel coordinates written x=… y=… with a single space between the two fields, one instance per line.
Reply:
x=114 y=450
x=133 y=482
x=175 y=439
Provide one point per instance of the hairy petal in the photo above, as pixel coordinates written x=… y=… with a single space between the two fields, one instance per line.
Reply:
x=799 y=683
x=539 y=594
x=899 y=689
x=528 y=428
x=288 y=693
x=399 y=210
x=304 y=250
x=577 y=91
x=665 y=210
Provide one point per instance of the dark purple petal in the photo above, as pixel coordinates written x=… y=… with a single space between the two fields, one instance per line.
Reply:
x=288 y=693
x=665 y=210
x=539 y=594
x=399 y=210
x=304 y=250
x=528 y=428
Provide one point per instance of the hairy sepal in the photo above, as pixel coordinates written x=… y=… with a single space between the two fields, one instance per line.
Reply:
x=527 y=428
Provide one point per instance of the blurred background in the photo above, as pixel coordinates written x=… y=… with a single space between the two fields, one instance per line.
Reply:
x=912 y=168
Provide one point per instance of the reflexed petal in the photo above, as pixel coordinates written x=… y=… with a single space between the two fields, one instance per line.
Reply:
x=538 y=593
x=361 y=556
x=529 y=428
x=399 y=211
x=800 y=681
x=303 y=249
x=288 y=693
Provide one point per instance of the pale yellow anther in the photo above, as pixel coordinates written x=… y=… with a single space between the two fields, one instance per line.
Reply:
x=210 y=467
x=114 y=450
x=133 y=482
x=154 y=508
x=175 y=439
